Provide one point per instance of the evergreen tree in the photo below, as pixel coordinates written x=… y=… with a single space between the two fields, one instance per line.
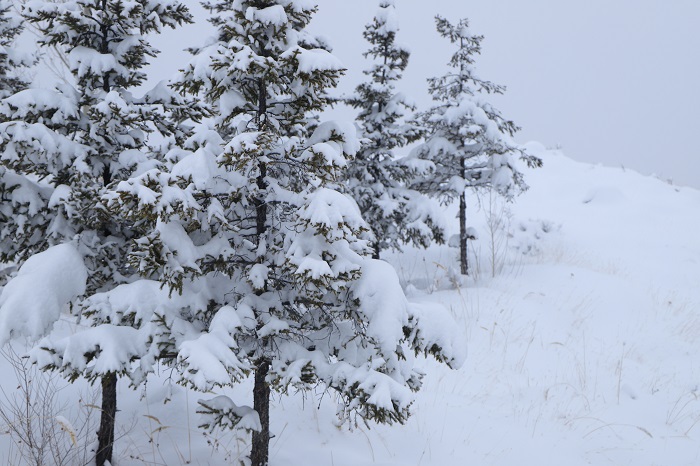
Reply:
x=62 y=149
x=248 y=220
x=469 y=142
x=377 y=181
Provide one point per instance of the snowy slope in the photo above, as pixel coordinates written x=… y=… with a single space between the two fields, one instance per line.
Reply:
x=581 y=350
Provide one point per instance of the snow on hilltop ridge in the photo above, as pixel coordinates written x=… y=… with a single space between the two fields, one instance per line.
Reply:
x=646 y=225
x=582 y=350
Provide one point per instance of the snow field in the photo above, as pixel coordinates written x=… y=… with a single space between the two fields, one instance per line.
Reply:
x=582 y=349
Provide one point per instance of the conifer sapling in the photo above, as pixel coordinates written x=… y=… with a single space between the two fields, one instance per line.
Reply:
x=469 y=143
x=375 y=178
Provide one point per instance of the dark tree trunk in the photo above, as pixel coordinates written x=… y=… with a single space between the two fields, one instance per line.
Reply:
x=259 y=202
x=104 y=45
x=259 y=454
x=105 y=436
x=260 y=205
x=375 y=250
x=261 y=404
x=463 y=257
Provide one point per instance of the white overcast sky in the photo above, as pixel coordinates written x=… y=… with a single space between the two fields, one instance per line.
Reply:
x=610 y=81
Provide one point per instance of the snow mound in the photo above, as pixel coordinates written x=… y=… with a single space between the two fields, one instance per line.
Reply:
x=604 y=195
x=32 y=301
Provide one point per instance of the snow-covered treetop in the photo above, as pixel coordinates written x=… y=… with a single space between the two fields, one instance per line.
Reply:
x=105 y=39
x=464 y=79
x=470 y=142
x=391 y=58
x=374 y=178
x=262 y=43
x=381 y=106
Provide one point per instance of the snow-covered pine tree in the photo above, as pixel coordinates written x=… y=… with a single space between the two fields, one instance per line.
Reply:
x=469 y=143
x=62 y=149
x=378 y=181
x=248 y=219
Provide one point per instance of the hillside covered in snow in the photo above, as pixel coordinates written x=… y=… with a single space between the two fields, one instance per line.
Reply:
x=580 y=324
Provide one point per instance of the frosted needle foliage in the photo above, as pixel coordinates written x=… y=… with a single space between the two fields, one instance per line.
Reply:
x=375 y=178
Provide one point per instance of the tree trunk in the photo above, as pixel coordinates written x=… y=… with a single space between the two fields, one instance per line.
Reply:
x=261 y=390
x=105 y=436
x=261 y=182
x=375 y=250
x=463 y=258
x=261 y=404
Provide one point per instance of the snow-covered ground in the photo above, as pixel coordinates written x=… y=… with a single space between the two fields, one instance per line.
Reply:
x=582 y=347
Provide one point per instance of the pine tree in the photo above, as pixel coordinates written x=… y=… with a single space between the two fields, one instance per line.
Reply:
x=469 y=142
x=248 y=219
x=377 y=181
x=62 y=150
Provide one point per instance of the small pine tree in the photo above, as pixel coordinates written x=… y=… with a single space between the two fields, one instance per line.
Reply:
x=469 y=143
x=247 y=221
x=377 y=181
x=62 y=149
